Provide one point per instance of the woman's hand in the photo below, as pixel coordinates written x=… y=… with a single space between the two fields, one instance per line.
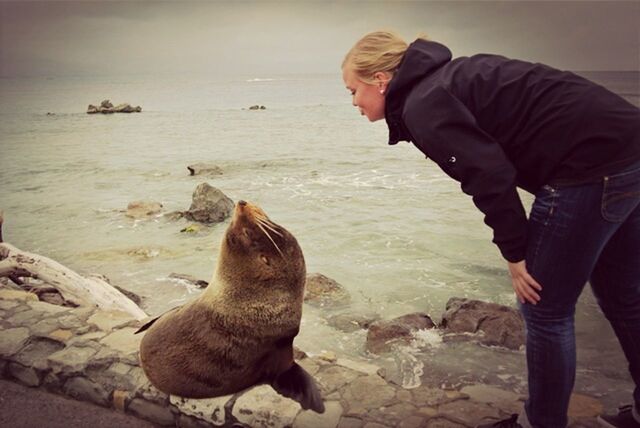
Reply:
x=523 y=284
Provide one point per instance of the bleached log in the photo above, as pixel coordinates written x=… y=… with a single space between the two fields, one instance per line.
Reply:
x=79 y=290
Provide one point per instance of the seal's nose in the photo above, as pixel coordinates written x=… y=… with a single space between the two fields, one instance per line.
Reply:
x=242 y=203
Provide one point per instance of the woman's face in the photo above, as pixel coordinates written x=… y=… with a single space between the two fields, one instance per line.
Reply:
x=369 y=98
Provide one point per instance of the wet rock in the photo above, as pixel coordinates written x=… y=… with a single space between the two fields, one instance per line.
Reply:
x=469 y=413
x=321 y=290
x=204 y=169
x=143 y=209
x=174 y=215
x=200 y=283
x=350 y=422
x=382 y=334
x=36 y=352
x=209 y=205
x=366 y=393
x=257 y=107
x=352 y=322
x=494 y=324
x=583 y=406
x=332 y=378
x=489 y=394
x=130 y=294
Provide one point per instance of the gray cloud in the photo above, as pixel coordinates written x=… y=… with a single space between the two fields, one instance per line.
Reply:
x=264 y=38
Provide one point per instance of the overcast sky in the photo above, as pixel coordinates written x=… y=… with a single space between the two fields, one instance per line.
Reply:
x=268 y=38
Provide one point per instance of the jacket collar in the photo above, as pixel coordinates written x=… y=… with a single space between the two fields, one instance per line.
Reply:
x=421 y=59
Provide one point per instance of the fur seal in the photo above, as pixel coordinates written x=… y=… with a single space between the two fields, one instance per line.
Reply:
x=239 y=332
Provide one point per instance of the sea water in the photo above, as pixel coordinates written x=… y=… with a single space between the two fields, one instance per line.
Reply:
x=384 y=222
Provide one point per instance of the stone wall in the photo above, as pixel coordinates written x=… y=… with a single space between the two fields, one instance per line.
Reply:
x=93 y=356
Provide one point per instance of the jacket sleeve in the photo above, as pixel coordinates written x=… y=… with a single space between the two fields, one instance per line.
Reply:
x=445 y=130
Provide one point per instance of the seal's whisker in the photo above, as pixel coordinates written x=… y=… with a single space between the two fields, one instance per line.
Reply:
x=269 y=226
x=270 y=239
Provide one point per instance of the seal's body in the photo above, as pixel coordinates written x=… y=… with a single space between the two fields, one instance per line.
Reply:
x=239 y=332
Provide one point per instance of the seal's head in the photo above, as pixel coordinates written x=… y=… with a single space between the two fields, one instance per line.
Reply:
x=257 y=251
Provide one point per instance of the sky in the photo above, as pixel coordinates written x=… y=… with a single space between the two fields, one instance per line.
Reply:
x=262 y=38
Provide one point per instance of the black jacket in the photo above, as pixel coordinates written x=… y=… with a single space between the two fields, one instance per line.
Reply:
x=494 y=123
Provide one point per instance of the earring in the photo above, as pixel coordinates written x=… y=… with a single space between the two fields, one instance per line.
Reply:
x=381 y=91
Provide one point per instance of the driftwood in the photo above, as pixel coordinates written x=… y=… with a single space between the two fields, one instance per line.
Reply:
x=74 y=288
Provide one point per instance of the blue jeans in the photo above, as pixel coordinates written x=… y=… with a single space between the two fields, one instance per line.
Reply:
x=577 y=234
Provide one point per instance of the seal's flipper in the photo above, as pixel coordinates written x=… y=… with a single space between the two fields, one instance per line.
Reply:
x=298 y=385
x=150 y=323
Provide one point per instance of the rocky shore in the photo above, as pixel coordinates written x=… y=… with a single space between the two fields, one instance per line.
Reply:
x=92 y=355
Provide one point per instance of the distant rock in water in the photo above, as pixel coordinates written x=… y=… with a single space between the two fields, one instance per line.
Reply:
x=200 y=283
x=209 y=205
x=350 y=322
x=106 y=108
x=143 y=209
x=204 y=169
x=321 y=290
x=257 y=107
x=491 y=324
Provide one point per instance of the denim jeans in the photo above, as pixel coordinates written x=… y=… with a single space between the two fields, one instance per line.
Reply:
x=577 y=234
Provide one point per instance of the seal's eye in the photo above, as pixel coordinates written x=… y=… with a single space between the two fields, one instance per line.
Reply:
x=264 y=259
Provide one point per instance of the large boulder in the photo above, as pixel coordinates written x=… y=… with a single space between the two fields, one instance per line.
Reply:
x=321 y=290
x=209 y=205
x=382 y=335
x=491 y=324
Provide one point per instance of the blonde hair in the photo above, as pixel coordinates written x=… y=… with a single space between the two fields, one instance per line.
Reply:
x=376 y=51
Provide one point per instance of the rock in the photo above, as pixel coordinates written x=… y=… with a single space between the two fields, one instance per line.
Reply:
x=328 y=419
x=120 y=400
x=469 y=413
x=382 y=334
x=18 y=295
x=126 y=108
x=200 y=283
x=209 y=205
x=321 y=290
x=83 y=389
x=352 y=322
x=498 y=325
x=25 y=375
x=160 y=415
x=106 y=107
x=130 y=294
x=12 y=340
x=209 y=409
x=359 y=366
x=332 y=378
x=261 y=406
x=489 y=394
x=71 y=359
x=108 y=320
x=583 y=406
x=123 y=340
x=143 y=209
x=257 y=107
x=174 y=215
x=366 y=393
x=204 y=169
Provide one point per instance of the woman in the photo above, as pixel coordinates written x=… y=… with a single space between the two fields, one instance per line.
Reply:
x=495 y=124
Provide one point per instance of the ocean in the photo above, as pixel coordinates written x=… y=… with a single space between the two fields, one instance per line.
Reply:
x=384 y=222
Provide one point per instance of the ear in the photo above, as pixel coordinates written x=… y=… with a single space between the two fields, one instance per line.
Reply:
x=382 y=77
